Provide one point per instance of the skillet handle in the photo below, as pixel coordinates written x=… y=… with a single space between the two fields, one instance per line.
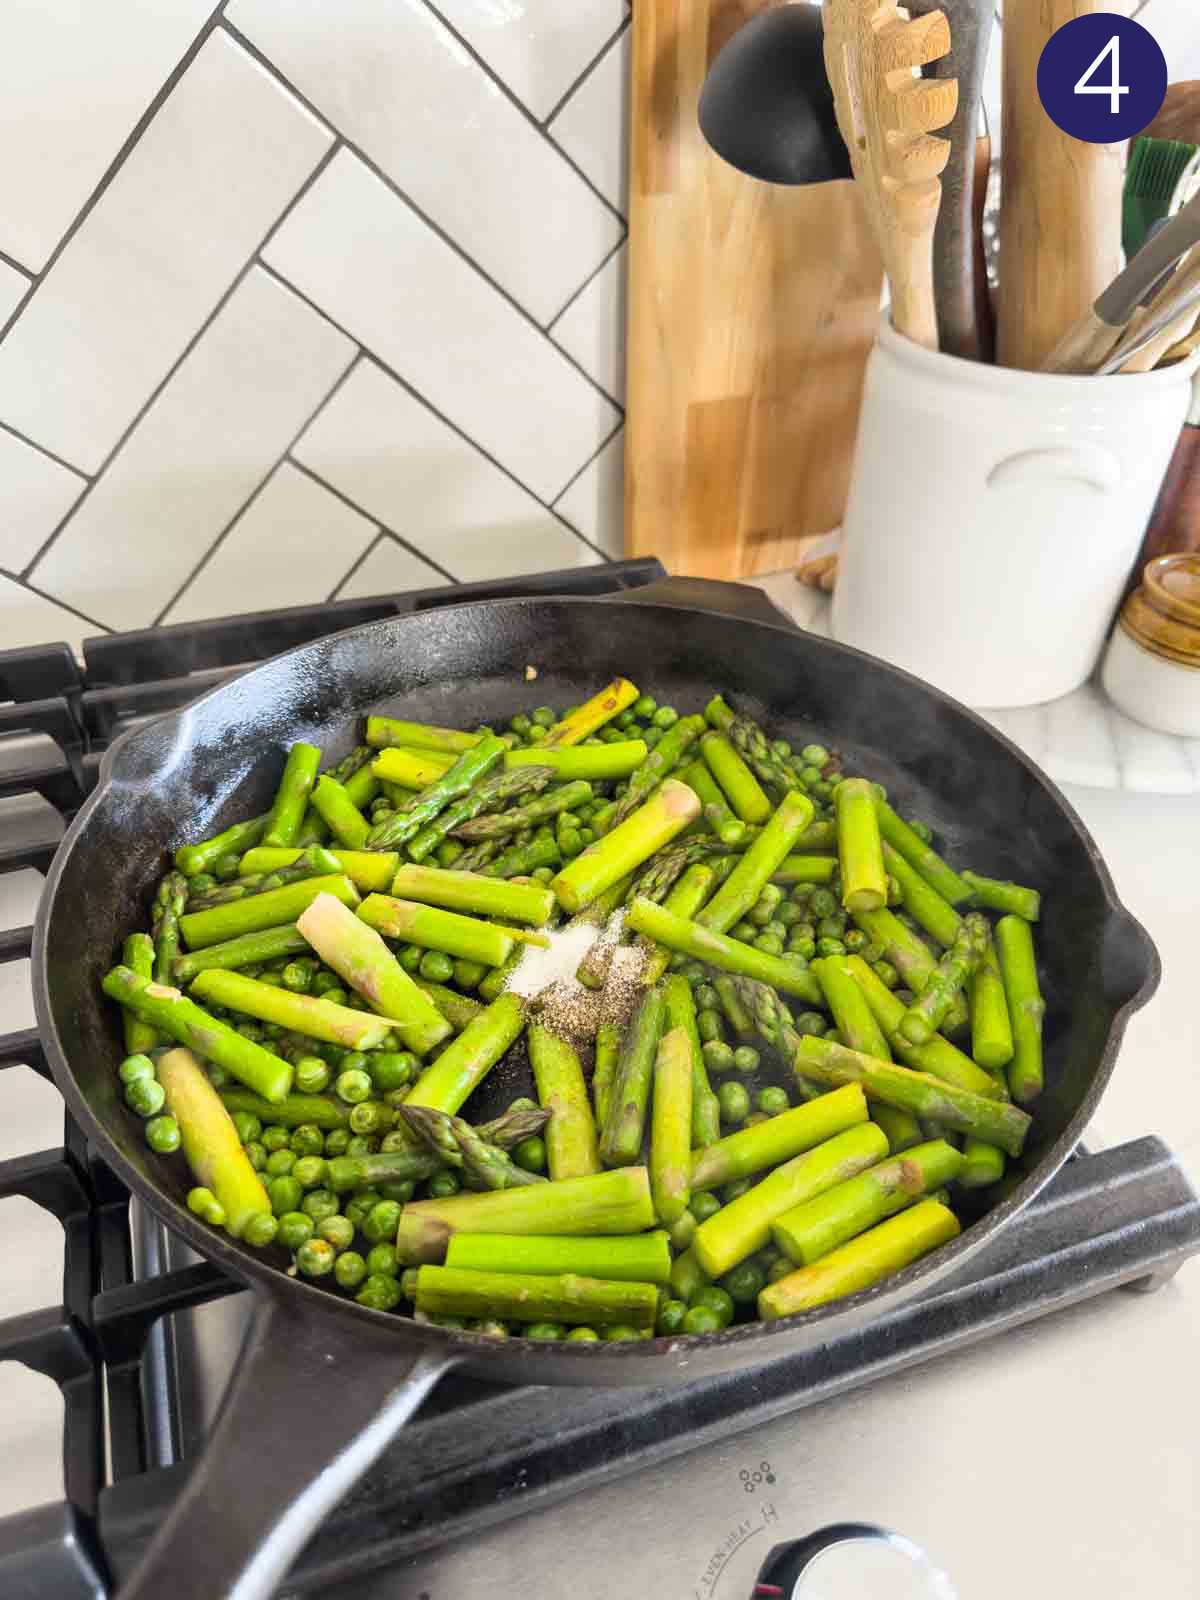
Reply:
x=307 y=1412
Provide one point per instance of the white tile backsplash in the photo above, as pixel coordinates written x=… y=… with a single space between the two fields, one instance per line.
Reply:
x=229 y=412
x=148 y=264
x=437 y=492
x=291 y=545
x=75 y=76
x=400 y=86
x=466 y=239
x=366 y=259
x=35 y=495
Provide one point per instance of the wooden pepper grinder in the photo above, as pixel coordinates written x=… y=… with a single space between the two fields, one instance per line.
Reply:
x=1175 y=524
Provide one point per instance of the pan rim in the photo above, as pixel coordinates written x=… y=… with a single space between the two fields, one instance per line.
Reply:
x=839 y=1316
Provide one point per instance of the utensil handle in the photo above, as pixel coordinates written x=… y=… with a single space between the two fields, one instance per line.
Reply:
x=305 y=1415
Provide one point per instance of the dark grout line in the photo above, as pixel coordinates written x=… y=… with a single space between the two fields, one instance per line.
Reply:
x=372 y=544
x=434 y=227
x=63 y=605
x=11 y=261
x=391 y=533
x=421 y=399
x=254 y=494
x=7 y=427
x=595 y=456
x=609 y=44
x=123 y=153
x=239 y=278
x=587 y=282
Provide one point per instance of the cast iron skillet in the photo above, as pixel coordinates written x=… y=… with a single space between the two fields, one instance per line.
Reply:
x=323 y=1384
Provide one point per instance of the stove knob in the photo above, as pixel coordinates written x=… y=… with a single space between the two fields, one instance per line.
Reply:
x=851 y=1561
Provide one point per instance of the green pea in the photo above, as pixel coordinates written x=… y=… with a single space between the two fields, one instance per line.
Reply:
x=275 y=1137
x=545 y=1331
x=378 y=1293
x=410 y=957
x=830 y=947
x=542 y=874
x=200 y=1200
x=370 y=1117
x=336 y=1230
x=831 y=927
x=401 y=1193
x=530 y=1154
x=665 y=717
x=296 y=977
x=804 y=949
x=682 y=1231
x=336 y=1141
x=744 y=1282
x=349 y=1269
x=744 y=930
x=670 y=1317
x=717 y=1300
x=310 y=1171
x=315 y=1258
x=247 y=1124
x=886 y=973
x=256 y=1155
x=788 y=915
x=710 y=1025
x=162 y=1135
x=745 y=1059
x=521 y=724
x=706 y=997
x=810 y=776
x=651 y=736
x=772 y=1100
x=543 y=717
x=145 y=1096
x=225 y=868
x=391 y=1069
x=781 y=748
x=736 y=1189
x=813 y=1022
x=780 y=1270
x=295 y=1228
x=136 y=1069
x=324 y=980
x=855 y=941
x=734 y=1101
x=777 y=929
x=380 y=1223
x=701 y=1320
x=704 y=1205
x=382 y=1258
x=435 y=967
x=619 y=1333
x=311 y=1075
x=769 y=943
x=695 y=972
x=492 y=1328
x=580 y=1336
x=284 y=1194
x=537 y=733
x=442 y=1185
x=280 y=1163
x=260 y=1230
x=815 y=755
x=352 y=1086
x=626 y=719
x=822 y=903
x=645 y=706
x=718 y=1056
x=763 y=908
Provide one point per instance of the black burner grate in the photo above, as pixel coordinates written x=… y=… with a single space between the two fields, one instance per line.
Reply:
x=1127 y=1216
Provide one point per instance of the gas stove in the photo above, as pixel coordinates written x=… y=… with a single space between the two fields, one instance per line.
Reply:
x=806 y=1476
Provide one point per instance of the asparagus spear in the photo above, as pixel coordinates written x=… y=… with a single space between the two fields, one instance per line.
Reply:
x=565 y=797
x=982 y=1165
x=293 y=1111
x=210 y=1141
x=357 y=954
x=860 y=851
x=291 y=798
x=1018 y=964
x=621 y=1137
x=671 y=1127
x=657 y=766
x=666 y=866
x=684 y=900
x=597 y=763
x=472 y=892
x=812 y=1230
x=418 y=1163
x=632 y=1258
x=171 y=1013
x=744 y=1225
x=467 y=769
x=752 y=1008
x=738 y=783
x=755 y=869
x=993 y=1121
x=434 y=929
x=922 y=902
x=496 y=981
x=681 y=1015
x=902 y=1129
x=798 y=868
x=456 y=1143
x=593 y=713
x=571 y=1132
x=938 y=1057
x=138 y=955
x=382 y=732
x=752 y=743
x=519 y=860
x=855 y=1020
x=251 y=949
x=928 y=1010
x=467 y=1060
x=523 y=1297
x=457 y=1009
x=302 y=1013
x=608 y=1050
x=231 y=841
x=687 y=1276
x=350 y=765
x=498 y=789
x=861 y=1262
x=767 y=1144
x=991 y=1030
x=728 y=828
x=313 y=862
x=818 y=836
x=170 y=901
x=906 y=952
x=402 y=774
x=1010 y=898
x=268 y=910
x=339 y=813
x=367 y=869
x=923 y=857
x=654 y=824
x=718 y=950
x=604 y=1203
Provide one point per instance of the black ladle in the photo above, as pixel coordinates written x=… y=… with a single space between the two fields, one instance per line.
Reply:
x=766 y=107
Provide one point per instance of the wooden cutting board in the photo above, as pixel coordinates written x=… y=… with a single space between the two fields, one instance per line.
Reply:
x=752 y=310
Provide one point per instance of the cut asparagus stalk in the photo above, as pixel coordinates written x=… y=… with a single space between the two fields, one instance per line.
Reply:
x=435 y=929
x=270 y=909
x=991 y=1030
x=805 y=869
x=1018 y=965
x=665 y=814
x=922 y=902
x=923 y=857
x=251 y=949
x=137 y=953
x=291 y=800
x=671 y=1127
x=210 y=1141
x=739 y=785
x=767 y=1144
x=632 y=1258
x=594 y=763
x=466 y=1061
x=473 y=893
x=570 y=1135
x=301 y=1013
x=621 y=1138
x=938 y=1057
x=574 y=728
x=232 y=841
x=382 y=732
x=718 y=950
x=457 y=780
x=523 y=1297
x=860 y=852
x=339 y=813
x=368 y=870
x=758 y=865
x=1011 y=898
x=681 y=1014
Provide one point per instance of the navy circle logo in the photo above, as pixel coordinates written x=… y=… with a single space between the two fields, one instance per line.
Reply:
x=1102 y=78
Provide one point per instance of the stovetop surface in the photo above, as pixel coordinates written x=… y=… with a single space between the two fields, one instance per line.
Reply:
x=1061 y=1455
